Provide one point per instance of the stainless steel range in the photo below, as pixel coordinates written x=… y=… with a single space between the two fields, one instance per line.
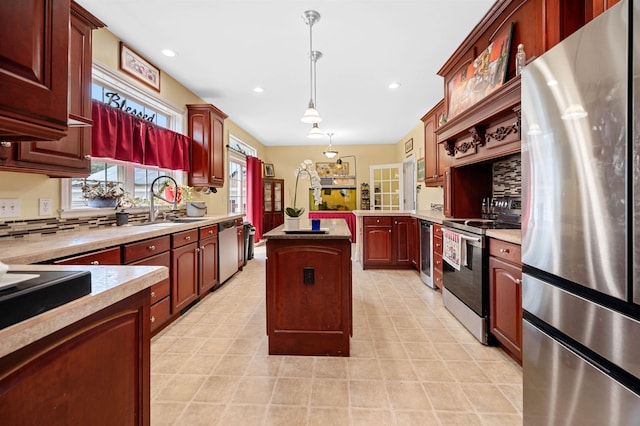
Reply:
x=466 y=265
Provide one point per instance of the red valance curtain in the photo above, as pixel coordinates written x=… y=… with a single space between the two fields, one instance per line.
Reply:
x=254 y=194
x=123 y=136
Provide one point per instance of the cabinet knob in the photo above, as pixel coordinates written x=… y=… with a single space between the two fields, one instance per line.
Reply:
x=502 y=250
x=153 y=294
x=151 y=248
x=87 y=157
x=5 y=144
x=188 y=238
x=518 y=281
x=437 y=244
x=210 y=231
x=201 y=247
x=389 y=230
x=153 y=319
x=94 y=262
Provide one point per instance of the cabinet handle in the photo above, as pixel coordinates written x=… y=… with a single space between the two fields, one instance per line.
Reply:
x=94 y=262
x=151 y=248
x=389 y=230
x=153 y=294
x=153 y=319
x=197 y=249
x=518 y=281
x=188 y=238
x=201 y=247
x=5 y=144
x=87 y=157
x=210 y=231
x=502 y=250
x=437 y=244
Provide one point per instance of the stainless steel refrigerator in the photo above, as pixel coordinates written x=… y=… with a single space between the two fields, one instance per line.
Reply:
x=581 y=226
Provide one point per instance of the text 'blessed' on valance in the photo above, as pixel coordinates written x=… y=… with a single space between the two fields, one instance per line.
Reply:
x=122 y=136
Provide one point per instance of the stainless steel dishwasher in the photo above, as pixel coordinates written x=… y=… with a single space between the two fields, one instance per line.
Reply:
x=227 y=249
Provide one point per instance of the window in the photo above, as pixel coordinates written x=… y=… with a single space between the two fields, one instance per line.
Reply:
x=238 y=174
x=385 y=181
x=136 y=179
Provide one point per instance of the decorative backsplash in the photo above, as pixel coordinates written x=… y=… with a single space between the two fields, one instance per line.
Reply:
x=507 y=177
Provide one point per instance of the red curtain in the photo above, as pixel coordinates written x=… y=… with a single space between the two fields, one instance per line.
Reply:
x=123 y=136
x=254 y=194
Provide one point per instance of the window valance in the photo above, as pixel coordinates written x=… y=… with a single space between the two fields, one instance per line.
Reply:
x=123 y=136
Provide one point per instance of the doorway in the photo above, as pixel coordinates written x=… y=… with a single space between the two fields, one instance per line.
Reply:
x=409 y=183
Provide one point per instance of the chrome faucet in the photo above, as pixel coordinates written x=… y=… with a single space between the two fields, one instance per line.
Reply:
x=153 y=196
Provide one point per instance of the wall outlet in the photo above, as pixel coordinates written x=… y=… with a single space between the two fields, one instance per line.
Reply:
x=44 y=207
x=9 y=207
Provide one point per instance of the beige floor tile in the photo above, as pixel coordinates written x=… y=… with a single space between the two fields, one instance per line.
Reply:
x=432 y=371
x=201 y=414
x=280 y=415
x=390 y=350
x=215 y=345
x=467 y=372
x=362 y=349
x=254 y=390
x=166 y=413
x=296 y=366
x=263 y=365
x=487 y=399
x=502 y=372
x=407 y=396
x=364 y=368
x=328 y=416
x=232 y=365
x=330 y=368
x=421 y=350
x=397 y=369
x=329 y=393
x=513 y=394
x=168 y=363
x=411 y=335
x=365 y=417
x=368 y=394
x=200 y=363
x=452 y=352
x=158 y=382
x=501 y=420
x=244 y=346
x=292 y=391
x=217 y=389
x=181 y=387
x=446 y=396
x=243 y=415
x=416 y=418
x=458 y=419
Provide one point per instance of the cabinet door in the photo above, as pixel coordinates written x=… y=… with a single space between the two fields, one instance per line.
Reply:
x=208 y=264
x=199 y=132
x=216 y=177
x=506 y=305
x=401 y=249
x=447 y=193
x=34 y=69
x=414 y=243
x=184 y=276
x=278 y=199
x=430 y=151
x=267 y=196
x=240 y=231
x=377 y=248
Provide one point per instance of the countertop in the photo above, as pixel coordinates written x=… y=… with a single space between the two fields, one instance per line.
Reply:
x=430 y=215
x=336 y=229
x=64 y=244
x=109 y=285
x=509 y=235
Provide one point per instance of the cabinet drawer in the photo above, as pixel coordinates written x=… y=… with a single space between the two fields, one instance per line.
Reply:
x=504 y=250
x=208 y=231
x=160 y=291
x=437 y=262
x=437 y=244
x=437 y=230
x=437 y=279
x=103 y=257
x=238 y=222
x=380 y=220
x=146 y=248
x=160 y=313
x=180 y=239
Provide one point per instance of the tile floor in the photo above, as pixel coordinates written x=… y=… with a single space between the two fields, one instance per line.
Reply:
x=411 y=363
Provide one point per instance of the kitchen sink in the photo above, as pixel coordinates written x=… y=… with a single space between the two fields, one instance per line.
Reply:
x=39 y=292
x=187 y=219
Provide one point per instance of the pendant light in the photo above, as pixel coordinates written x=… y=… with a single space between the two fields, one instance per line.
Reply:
x=311 y=114
x=330 y=152
x=315 y=132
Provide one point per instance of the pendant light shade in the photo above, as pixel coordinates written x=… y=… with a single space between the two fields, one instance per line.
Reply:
x=315 y=132
x=330 y=152
x=311 y=115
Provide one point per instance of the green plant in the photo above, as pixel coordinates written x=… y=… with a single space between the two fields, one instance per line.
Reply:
x=305 y=172
x=92 y=189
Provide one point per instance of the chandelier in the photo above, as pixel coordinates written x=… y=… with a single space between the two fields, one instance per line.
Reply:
x=330 y=152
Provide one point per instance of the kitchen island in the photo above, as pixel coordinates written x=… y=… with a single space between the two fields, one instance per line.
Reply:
x=308 y=291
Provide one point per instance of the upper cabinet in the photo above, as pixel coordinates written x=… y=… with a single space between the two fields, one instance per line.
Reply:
x=436 y=159
x=34 y=69
x=206 y=130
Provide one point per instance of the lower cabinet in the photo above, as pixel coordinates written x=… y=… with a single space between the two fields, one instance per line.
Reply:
x=110 y=256
x=208 y=258
x=437 y=256
x=95 y=371
x=388 y=242
x=505 y=292
x=184 y=269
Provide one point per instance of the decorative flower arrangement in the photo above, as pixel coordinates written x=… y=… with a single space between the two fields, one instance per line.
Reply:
x=303 y=172
x=102 y=194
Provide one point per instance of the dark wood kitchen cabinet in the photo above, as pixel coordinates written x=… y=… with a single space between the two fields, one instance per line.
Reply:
x=387 y=242
x=505 y=292
x=436 y=159
x=184 y=269
x=272 y=203
x=414 y=243
x=34 y=69
x=109 y=256
x=206 y=130
x=437 y=256
x=94 y=371
x=208 y=258
x=154 y=252
x=70 y=155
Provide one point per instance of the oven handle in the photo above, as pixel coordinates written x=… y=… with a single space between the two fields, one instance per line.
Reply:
x=474 y=239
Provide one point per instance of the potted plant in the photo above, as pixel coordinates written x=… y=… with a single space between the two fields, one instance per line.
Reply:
x=292 y=214
x=102 y=194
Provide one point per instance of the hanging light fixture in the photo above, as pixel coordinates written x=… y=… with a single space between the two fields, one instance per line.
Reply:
x=315 y=132
x=330 y=152
x=311 y=114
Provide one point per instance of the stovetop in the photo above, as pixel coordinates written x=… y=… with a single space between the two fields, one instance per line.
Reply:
x=479 y=226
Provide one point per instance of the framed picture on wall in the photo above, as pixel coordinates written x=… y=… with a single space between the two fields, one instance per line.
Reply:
x=420 y=169
x=268 y=170
x=138 y=67
x=408 y=146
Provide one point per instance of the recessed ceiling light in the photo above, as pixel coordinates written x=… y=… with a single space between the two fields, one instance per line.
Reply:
x=394 y=85
x=258 y=89
x=168 y=52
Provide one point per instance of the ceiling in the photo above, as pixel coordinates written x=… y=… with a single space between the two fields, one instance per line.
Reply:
x=226 y=48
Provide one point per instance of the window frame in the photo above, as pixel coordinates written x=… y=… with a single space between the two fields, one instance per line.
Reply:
x=237 y=153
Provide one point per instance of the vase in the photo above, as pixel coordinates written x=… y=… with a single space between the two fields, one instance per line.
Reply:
x=291 y=223
x=102 y=202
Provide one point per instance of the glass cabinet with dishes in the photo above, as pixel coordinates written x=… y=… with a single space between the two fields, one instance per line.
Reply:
x=386 y=181
x=273 y=203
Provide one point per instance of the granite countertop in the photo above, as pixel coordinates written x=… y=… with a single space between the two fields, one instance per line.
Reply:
x=109 y=285
x=47 y=247
x=336 y=229
x=509 y=235
x=430 y=215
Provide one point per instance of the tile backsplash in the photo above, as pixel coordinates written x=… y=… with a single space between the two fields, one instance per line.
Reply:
x=507 y=177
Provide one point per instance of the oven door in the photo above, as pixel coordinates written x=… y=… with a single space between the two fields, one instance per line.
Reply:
x=426 y=253
x=466 y=293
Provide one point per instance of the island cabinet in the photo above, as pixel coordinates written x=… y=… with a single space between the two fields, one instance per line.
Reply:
x=387 y=242
x=206 y=130
x=308 y=293
x=505 y=292
x=154 y=252
x=94 y=371
x=184 y=269
x=437 y=256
